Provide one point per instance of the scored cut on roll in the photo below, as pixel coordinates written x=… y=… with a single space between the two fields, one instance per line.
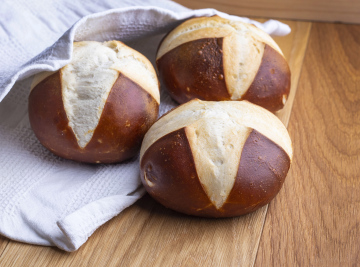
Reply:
x=98 y=107
x=215 y=159
x=213 y=58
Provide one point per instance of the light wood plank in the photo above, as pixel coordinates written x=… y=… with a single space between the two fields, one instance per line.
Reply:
x=347 y=11
x=314 y=221
x=3 y=243
x=294 y=52
x=148 y=234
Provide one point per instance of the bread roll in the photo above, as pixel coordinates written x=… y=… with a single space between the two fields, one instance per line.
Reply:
x=215 y=159
x=97 y=108
x=212 y=58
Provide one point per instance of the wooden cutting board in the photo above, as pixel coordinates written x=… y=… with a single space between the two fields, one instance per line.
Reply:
x=147 y=234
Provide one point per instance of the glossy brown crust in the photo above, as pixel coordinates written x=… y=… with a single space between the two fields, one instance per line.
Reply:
x=170 y=166
x=48 y=118
x=128 y=114
x=168 y=33
x=262 y=171
x=194 y=70
x=271 y=83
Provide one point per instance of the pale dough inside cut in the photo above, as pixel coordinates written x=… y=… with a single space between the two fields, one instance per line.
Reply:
x=216 y=149
x=216 y=132
x=87 y=81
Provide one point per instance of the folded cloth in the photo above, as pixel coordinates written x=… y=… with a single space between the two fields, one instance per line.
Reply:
x=44 y=199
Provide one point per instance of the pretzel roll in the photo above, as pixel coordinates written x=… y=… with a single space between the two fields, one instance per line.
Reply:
x=215 y=159
x=212 y=58
x=97 y=108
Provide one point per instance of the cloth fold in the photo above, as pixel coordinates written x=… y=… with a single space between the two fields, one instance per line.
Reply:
x=44 y=199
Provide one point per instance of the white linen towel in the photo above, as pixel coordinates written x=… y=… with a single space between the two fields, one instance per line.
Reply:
x=44 y=199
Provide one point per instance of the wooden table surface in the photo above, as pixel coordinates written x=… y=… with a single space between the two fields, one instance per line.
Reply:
x=313 y=221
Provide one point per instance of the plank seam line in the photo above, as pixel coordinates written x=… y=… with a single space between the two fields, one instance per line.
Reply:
x=2 y=252
x=267 y=208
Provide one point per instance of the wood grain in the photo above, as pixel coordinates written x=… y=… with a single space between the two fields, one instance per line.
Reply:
x=317 y=10
x=3 y=243
x=148 y=234
x=294 y=48
x=314 y=221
